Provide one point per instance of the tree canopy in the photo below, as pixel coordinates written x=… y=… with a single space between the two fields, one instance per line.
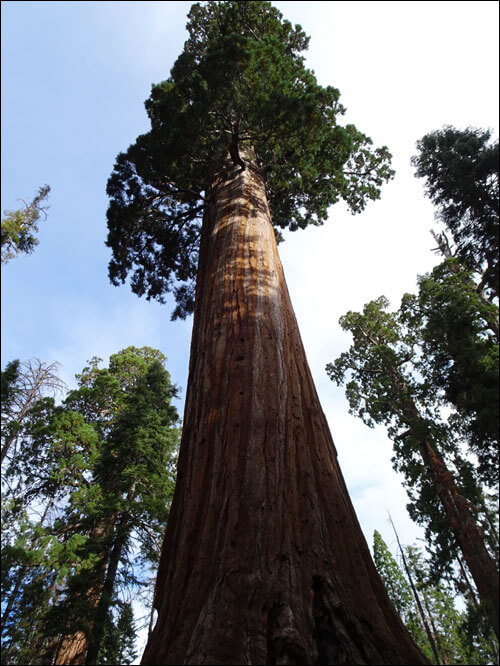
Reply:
x=389 y=381
x=100 y=469
x=445 y=634
x=240 y=83
x=458 y=335
x=19 y=227
x=460 y=168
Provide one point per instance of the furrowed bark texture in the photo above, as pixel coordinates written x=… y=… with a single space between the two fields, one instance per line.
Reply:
x=264 y=561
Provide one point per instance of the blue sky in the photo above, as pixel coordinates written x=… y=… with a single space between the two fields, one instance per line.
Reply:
x=74 y=79
x=70 y=72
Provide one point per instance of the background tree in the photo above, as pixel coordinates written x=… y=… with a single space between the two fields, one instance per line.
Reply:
x=395 y=583
x=446 y=639
x=440 y=350
x=456 y=310
x=458 y=335
x=461 y=172
x=38 y=549
x=388 y=385
x=118 y=643
x=102 y=460
x=23 y=384
x=406 y=599
x=20 y=226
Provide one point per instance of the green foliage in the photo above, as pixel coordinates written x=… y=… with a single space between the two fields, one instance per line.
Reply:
x=23 y=385
x=400 y=593
x=460 y=636
x=10 y=379
x=461 y=172
x=20 y=226
x=9 y=387
x=458 y=640
x=240 y=83
x=388 y=382
x=119 y=637
x=457 y=331
x=395 y=583
x=103 y=464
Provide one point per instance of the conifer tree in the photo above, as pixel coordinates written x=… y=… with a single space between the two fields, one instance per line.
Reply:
x=19 y=227
x=263 y=559
x=118 y=644
x=386 y=384
x=458 y=334
x=405 y=597
x=128 y=404
x=23 y=384
x=448 y=637
x=99 y=462
x=392 y=576
x=460 y=168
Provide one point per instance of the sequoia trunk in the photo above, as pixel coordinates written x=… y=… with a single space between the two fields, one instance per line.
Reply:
x=264 y=561
x=468 y=535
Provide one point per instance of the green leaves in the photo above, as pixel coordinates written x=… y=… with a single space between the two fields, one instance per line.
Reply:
x=459 y=636
x=19 y=227
x=240 y=82
x=395 y=583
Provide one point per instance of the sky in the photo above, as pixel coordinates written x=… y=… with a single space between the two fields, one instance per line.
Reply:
x=74 y=79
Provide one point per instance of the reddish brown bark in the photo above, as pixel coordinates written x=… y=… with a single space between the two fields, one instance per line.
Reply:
x=264 y=561
x=457 y=509
x=468 y=535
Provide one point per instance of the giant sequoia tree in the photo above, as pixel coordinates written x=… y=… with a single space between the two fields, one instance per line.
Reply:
x=263 y=561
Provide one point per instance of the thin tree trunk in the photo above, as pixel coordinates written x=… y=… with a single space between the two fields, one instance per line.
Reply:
x=435 y=632
x=263 y=561
x=417 y=598
x=20 y=418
